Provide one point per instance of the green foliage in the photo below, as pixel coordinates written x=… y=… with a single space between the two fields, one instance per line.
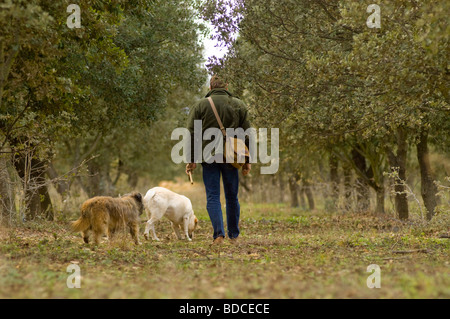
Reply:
x=317 y=68
x=334 y=85
x=163 y=58
x=70 y=94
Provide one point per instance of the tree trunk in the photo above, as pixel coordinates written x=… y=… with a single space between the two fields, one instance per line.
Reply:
x=94 y=179
x=7 y=207
x=334 y=179
x=428 y=188
x=46 y=203
x=402 y=152
x=301 y=195
x=62 y=187
x=362 y=188
x=398 y=162
x=133 y=178
x=380 y=200
x=293 y=187
x=281 y=187
x=309 y=194
x=347 y=187
x=32 y=174
x=99 y=182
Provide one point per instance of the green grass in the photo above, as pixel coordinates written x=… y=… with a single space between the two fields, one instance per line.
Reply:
x=284 y=253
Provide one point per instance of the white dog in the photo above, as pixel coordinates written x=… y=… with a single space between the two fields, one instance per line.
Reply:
x=177 y=208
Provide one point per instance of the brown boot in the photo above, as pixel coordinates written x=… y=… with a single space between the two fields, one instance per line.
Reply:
x=217 y=241
x=235 y=241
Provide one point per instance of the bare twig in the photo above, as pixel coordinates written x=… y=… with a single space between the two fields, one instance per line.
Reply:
x=426 y=251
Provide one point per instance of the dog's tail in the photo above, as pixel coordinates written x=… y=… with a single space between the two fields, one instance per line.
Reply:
x=151 y=193
x=83 y=223
x=148 y=197
x=80 y=225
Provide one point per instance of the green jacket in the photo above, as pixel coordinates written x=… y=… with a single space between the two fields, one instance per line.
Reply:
x=232 y=111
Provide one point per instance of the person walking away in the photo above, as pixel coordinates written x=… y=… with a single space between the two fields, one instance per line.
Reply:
x=233 y=114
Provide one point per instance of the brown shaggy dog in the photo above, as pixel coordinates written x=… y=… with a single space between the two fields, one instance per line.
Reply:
x=106 y=215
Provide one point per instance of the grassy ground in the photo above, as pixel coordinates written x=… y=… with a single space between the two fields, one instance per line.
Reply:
x=284 y=253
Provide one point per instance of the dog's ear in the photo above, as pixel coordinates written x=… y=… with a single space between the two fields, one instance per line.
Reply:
x=138 y=197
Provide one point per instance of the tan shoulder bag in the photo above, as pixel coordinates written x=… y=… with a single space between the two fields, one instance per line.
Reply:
x=236 y=152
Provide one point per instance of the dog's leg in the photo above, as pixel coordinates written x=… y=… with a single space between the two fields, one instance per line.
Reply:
x=176 y=229
x=151 y=225
x=99 y=231
x=86 y=234
x=98 y=237
x=111 y=234
x=134 y=231
x=186 y=227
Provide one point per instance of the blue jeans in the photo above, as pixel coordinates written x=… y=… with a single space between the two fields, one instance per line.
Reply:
x=211 y=179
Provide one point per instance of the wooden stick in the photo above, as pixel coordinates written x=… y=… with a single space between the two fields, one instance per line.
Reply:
x=190 y=178
x=411 y=251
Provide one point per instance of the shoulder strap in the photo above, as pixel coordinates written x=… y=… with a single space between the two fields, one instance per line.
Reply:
x=222 y=128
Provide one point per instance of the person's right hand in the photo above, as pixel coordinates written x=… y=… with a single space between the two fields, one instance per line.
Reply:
x=246 y=169
x=190 y=167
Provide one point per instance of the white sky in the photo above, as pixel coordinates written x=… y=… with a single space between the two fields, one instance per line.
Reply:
x=211 y=49
x=211 y=46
